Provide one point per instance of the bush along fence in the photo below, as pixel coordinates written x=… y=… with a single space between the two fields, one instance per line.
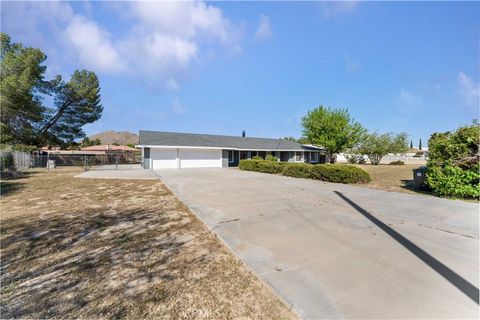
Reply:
x=340 y=173
x=453 y=169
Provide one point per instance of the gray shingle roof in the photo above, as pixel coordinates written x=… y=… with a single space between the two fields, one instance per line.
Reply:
x=208 y=140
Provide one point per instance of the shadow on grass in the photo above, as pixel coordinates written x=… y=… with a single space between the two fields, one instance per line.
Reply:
x=9 y=181
x=410 y=185
x=90 y=265
x=8 y=187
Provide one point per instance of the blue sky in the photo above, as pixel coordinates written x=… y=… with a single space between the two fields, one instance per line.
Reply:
x=221 y=67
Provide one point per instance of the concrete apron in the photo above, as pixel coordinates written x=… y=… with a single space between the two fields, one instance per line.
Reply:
x=339 y=251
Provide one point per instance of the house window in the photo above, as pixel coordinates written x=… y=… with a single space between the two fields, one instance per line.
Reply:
x=146 y=153
x=230 y=156
x=298 y=156
x=314 y=157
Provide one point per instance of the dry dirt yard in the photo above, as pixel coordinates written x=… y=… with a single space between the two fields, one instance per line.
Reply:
x=88 y=248
x=391 y=178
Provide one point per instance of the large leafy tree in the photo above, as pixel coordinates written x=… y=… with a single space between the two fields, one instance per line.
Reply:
x=22 y=83
x=24 y=117
x=376 y=146
x=76 y=103
x=333 y=129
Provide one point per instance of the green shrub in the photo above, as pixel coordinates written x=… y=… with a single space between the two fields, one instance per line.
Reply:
x=247 y=165
x=264 y=166
x=351 y=158
x=269 y=157
x=257 y=158
x=6 y=161
x=446 y=148
x=355 y=158
x=297 y=170
x=453 y=164
x=267 y=166
x=340 y=173
x=397 y=163
x=452 y=181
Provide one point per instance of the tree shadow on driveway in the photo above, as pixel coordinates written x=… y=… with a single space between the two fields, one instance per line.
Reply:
x=451 y=276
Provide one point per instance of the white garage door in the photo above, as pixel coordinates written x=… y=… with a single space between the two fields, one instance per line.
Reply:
x=163 y=158
x=200 y=158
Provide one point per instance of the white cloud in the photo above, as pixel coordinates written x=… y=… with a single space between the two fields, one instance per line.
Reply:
x=338 y=8
x=157 y=56
x=407 y=97
x=27 y=29
x=264 y=30
x=185 y=20
x=171 y=84
x=167 y=37
x=159 y=44
x=408 y=103
x=92 y=45
x=469 y=91
x=178 y=108
x=350 y=64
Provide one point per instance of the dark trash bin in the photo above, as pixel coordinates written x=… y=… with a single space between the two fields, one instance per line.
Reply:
x=419 y=177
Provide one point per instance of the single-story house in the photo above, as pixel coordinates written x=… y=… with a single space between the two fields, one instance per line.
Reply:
x=162 y=150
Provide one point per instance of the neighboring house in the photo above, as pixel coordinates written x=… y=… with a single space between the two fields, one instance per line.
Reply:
x=162 y=150
x=114 y=153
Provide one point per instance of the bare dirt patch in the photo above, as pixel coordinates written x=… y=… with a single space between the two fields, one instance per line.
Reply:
x=95 y=248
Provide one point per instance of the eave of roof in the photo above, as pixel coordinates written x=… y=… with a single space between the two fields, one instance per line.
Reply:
x=189 y=140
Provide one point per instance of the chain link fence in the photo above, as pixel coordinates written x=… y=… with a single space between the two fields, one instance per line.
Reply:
x=25 y=160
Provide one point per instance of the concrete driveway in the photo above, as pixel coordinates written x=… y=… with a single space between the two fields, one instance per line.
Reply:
x=340 y=251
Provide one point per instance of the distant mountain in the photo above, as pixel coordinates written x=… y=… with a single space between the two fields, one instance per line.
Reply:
x=120 y=137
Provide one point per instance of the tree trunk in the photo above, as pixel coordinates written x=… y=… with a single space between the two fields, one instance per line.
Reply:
x=54 y=119
x=375 y=159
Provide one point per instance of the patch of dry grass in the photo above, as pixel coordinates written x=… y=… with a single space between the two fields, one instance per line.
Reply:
x=391 y=178
x=87 y=248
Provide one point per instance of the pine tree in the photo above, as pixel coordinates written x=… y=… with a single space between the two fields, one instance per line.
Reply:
x=420 y=144
x=411 y=144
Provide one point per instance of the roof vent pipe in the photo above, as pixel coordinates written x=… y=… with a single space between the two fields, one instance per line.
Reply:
x=243 y=133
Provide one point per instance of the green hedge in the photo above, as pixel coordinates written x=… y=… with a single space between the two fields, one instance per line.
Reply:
x=264 y=166
x=340 y=173
x=297 y=170
x=6 y=161
x=453 y=164
x=452 y=181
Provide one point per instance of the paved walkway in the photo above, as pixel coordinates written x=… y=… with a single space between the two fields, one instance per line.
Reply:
x=339 y=251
